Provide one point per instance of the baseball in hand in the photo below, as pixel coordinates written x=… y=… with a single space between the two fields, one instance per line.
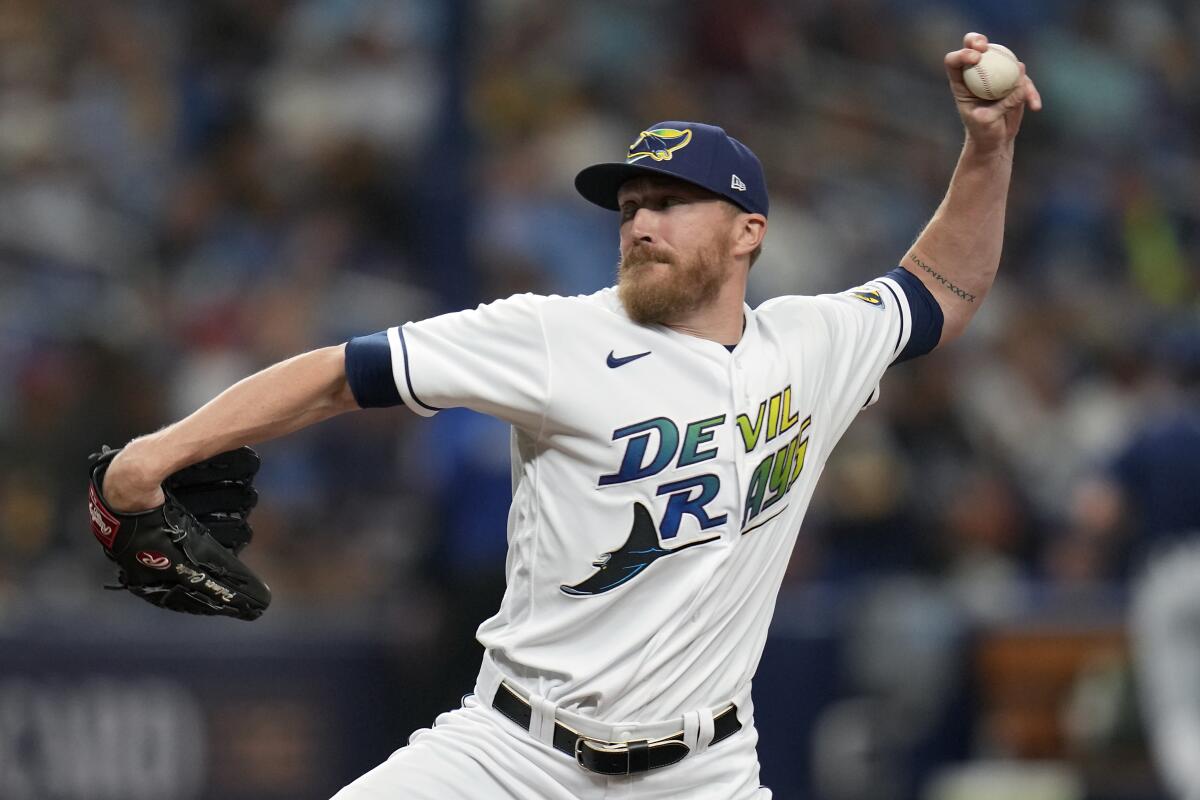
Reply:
x=996 y=74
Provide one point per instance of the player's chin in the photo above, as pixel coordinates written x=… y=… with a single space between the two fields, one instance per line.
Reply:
x=645 y=313
x=653 y=278
x=649 y=276
x=650 y=301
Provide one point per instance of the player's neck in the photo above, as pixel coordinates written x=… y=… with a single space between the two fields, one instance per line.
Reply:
x=722 y=321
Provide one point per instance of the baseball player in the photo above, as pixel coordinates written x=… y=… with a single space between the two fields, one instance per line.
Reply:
x=666 y=440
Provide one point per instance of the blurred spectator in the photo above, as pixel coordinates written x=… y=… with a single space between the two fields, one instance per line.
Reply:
x=1144 y=515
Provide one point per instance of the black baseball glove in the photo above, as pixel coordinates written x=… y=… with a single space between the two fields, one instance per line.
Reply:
x=183 y=554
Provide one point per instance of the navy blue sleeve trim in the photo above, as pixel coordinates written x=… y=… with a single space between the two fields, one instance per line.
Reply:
x=408 y=376
x=927 y=318
x=903 y=321
x=369 y=371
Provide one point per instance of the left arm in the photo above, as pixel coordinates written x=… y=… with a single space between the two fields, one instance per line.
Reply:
x=958 y=253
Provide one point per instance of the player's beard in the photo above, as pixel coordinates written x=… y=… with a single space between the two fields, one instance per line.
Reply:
x=653 y=294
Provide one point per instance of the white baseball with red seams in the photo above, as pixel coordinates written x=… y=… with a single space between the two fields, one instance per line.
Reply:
x=996 y=75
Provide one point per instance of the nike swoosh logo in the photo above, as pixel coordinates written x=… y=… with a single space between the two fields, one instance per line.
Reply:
x=614 y=362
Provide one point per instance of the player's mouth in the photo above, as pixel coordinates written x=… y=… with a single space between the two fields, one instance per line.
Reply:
x=641 y=256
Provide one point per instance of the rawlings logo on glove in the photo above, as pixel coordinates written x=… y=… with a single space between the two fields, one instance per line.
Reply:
x=104 y=524
x=153 y=560
x=183 y=555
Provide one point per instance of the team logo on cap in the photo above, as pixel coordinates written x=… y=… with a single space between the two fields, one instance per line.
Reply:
x=659 y=144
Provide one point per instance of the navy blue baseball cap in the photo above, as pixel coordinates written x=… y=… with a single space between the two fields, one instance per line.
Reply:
x=703 y=155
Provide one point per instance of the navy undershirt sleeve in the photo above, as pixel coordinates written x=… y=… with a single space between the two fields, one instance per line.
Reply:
x=369 y=371
x=927 y=316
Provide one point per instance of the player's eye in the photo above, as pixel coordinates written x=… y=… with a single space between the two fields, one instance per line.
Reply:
x=627 y=211
x=673 y=201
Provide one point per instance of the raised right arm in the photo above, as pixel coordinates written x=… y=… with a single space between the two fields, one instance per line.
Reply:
x=290 y=395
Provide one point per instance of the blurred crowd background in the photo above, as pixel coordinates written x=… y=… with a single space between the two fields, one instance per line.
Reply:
x=190 y=191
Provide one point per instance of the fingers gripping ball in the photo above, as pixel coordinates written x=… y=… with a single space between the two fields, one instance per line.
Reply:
x=996 y=74
x=167 y=556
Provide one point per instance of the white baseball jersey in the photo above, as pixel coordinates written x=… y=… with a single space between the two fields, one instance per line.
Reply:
x=659 y=479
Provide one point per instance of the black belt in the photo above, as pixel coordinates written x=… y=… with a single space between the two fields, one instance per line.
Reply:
x=613 y=758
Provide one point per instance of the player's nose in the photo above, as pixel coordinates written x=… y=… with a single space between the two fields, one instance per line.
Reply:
x=644 y=226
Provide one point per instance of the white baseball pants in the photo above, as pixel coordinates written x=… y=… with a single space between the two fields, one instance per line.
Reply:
x=474 y=753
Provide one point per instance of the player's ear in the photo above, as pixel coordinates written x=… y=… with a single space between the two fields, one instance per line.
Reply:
x=749 y=232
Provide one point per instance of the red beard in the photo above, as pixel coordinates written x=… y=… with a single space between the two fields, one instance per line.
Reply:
x=655 y=293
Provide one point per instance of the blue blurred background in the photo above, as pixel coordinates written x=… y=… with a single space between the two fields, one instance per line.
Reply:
x=190 y=191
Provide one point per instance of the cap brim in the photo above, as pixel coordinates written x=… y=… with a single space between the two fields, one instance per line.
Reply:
x=600 y=183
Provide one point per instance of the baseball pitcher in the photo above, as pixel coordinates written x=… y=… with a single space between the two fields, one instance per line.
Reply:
x=666 y=440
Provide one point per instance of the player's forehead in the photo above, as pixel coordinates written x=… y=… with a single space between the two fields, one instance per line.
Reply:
x=649 y=186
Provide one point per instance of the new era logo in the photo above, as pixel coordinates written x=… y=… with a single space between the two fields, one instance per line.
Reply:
x=736 y=183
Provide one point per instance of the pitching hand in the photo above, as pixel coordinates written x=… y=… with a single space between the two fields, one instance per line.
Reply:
x=129 y=486
x=990 y=124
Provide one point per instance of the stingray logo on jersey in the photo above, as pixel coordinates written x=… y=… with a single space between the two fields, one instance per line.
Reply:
x=650 y=447
x=640 y=550
x=653 y=445
x=659 y=144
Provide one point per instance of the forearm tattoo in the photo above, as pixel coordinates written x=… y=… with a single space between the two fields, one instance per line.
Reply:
x=944 y=281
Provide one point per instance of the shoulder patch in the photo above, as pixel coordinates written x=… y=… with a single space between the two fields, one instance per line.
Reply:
x=867 y=295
